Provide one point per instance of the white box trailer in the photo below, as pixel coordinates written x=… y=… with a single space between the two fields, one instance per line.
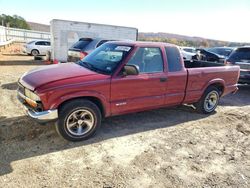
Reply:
x=65 y=33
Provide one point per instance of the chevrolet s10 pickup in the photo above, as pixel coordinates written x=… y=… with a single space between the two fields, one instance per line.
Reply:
x=119 y=78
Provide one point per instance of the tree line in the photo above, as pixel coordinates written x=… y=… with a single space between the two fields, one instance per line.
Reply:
x=14 y=21
x=205 y=43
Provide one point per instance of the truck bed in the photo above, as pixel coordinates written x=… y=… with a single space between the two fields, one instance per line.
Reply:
x=198 y=64
x=203 y=73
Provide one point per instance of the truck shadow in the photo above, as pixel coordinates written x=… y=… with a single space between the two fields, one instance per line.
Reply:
x=21 y=63
x=14 y=54
x=10 y=86
x=241 y=98
x=21 y=137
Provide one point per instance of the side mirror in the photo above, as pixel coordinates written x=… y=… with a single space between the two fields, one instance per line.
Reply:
x=130 y=70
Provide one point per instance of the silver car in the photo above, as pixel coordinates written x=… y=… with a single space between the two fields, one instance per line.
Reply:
x=38 y=47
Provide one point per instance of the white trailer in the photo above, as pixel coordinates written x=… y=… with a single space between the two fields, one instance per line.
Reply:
x=65 y=33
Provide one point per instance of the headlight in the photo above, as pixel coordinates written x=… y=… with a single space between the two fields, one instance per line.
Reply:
x=31 y=95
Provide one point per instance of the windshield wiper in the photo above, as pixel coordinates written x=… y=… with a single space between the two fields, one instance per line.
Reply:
x=91 y=67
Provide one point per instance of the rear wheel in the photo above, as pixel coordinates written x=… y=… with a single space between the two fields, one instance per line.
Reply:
x=209 y=100
x=34 y=52
x=78 y=120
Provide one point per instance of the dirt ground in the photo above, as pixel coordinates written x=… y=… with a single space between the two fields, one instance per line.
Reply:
x=173 y=147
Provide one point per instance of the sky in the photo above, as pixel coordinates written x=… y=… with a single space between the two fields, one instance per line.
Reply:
x=227 y=20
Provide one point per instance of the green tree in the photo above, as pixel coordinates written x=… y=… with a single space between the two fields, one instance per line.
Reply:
x=14 y=21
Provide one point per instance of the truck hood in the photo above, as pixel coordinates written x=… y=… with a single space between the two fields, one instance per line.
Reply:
x=47 y=74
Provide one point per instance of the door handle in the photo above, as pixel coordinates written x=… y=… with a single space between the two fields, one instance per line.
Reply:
x=163 y=79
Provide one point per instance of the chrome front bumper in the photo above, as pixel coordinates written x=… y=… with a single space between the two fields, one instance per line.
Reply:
x=44 y=116
x=41 y=117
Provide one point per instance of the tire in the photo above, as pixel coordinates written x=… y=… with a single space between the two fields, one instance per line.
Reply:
x=34 y=52
x=209 y=100
x=78 y=120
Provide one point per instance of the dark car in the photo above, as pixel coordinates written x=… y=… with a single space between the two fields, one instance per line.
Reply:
x=83 y=47
x=206 y=55
x=241 y=56
x=223 y=51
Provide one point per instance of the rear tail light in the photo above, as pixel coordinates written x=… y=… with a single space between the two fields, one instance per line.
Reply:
x=83 y=54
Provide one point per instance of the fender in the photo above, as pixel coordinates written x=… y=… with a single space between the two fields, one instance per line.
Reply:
x=214 y=81
x=69 y=96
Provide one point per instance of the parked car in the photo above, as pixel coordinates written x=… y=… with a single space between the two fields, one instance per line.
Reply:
x=241 y=56
x=187 y=55
x=188 y=49
x=83 y=47
x=119 y=78
x=223 y=51
x=38 y=47
x=72 y=29
x=205 y=55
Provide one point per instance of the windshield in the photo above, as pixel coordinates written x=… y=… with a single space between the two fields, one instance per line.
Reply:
x=31 y=42
x=241 y=54
x=81 y=44
x=221 y=51
x=106 y=58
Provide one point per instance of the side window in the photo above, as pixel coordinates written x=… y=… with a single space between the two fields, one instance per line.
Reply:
x=42 y=43
x=148 y=60
x=174 y=59
x=39 y=43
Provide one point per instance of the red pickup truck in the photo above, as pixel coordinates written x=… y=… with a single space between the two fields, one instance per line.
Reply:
x=118 y=78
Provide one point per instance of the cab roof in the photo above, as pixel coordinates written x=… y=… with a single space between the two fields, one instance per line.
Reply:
x=142 y=43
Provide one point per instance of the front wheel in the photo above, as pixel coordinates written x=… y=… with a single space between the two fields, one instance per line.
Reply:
x=78 y=120
x=209 y=100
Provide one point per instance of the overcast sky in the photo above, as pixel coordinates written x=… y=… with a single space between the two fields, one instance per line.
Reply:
x=215 y=19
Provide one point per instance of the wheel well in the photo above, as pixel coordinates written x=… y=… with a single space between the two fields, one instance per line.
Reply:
x=219 y=86
x=95 y=100
x=34 y=50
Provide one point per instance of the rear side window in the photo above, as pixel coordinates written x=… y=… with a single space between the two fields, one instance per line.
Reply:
x=81 y=44
x=174 y=59
x=101 y=42
x=240 y=54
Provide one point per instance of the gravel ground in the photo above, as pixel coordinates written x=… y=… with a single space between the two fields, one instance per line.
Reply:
x=173 y=147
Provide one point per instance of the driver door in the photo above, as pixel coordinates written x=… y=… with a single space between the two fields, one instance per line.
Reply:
x=143 y=91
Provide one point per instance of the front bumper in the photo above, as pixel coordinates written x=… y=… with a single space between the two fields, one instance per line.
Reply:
x=41 y=117
x=44 y=116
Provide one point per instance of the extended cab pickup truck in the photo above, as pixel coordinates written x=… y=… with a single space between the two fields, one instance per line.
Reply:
x=118 y=78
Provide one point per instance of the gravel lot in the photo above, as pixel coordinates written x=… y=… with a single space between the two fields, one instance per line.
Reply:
x=173 y=147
